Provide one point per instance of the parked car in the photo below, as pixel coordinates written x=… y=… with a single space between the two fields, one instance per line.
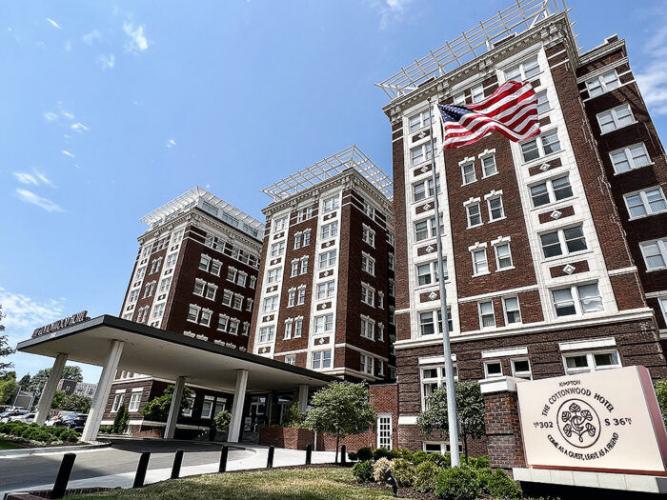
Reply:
x=26 y=418
x=75 y=421
x=10 y=415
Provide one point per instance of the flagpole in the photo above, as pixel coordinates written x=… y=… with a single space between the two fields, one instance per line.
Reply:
x=446 y=346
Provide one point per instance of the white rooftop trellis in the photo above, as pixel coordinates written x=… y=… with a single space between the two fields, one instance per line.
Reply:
x=209 y=203
x=521 y=16
x=329 y=167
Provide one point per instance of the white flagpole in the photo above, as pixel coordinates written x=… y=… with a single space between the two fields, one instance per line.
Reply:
x=446 y=347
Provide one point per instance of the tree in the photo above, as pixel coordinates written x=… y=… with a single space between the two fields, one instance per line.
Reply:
x=470 y=409
x=222 y=420
x=157 y=409
x=39 y=380
x=8 y=387
x=24 y=383
x=71 y=402
x=120 y=421
x=5 y=350
x=341 y=409
x=661 y=393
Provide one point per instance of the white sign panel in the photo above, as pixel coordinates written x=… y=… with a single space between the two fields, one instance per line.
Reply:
x=606 y=420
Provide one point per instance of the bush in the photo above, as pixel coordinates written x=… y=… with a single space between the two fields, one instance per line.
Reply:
x=498 y=484
x=419 y=457
x=120 y=420
x=364 y=454
x=458 y=483
x=381 y=453
x=402 y=453
x=363 y=471
x=439 y=459
x=482 y=462
x=106 y=429
x=426 y=474
x=40 y=433
x=222 y=420
x=352 y=456
x=403 y=471
x=661 y=394
x=380 y=469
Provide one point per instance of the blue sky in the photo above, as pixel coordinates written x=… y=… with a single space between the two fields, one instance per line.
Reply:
x=109 y=109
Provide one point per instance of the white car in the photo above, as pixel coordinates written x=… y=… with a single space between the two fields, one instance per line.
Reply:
x=26 y=418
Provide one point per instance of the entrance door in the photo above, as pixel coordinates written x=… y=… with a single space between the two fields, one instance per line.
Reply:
x=255 y=418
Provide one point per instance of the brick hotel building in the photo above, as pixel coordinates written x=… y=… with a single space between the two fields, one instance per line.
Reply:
x=557 y=247
x=326 y=287
x=195 y=273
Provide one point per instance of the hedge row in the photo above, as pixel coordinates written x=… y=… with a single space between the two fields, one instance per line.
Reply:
x=39 y=433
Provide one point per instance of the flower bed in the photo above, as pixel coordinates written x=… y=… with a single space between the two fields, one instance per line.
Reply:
x=37 y=435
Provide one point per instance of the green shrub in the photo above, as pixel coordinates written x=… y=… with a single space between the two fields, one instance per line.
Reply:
x=381 y=453
x=498 y=484
x=120 y=420
x=403 y=471
x=352 y=456
x=364 y=454
x=42 y=434
x=458 y=483
x=439 y=459
x=380 y=469
x=402 y=453
x=363 y=471
x=106 y=429
x=482 y=462
x=426 y=474
x=419 y=457
x=661 y=394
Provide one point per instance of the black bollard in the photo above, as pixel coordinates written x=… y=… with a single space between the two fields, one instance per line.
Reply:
x=269 y=459
x=176 y=468
x=309 y=454
x=142 y=467
x=60 y=486
x=223 y=459
x=392 y=482
x=343 y=455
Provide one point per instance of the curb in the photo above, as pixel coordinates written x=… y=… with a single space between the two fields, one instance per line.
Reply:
x=26 y=452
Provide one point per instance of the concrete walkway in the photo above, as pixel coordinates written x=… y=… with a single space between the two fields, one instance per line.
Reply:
x=254 y=458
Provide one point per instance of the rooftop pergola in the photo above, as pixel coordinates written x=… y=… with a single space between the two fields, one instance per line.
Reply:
x=331 y=166
x=211 y=204
x=519 y=17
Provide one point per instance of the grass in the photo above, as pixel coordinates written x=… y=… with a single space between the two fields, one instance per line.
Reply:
x=8 y=445
x=315 y=483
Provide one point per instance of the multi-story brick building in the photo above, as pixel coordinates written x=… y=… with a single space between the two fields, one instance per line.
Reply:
x=556 y=247
x=195 y=273
x=325 y=295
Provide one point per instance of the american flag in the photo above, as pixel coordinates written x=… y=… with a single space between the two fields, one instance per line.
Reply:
x=511 y=110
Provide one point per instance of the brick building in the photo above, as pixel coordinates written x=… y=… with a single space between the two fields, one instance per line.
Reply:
x=195 y=273
x=325 y=296
x=556 y=247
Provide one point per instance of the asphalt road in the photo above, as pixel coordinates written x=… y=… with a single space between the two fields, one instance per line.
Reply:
x=122 y=456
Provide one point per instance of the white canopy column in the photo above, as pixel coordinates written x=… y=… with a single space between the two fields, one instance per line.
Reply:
x=237 y=406
x=303 y=398
x=46 y=399
x=175 y=408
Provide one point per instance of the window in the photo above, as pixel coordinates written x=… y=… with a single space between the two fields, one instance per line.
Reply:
x=304 y=213
x=474 y=214
x=158 y=310
x=329 y=230
x=211 y=291
x=186 y=411
x=477 y=93
x=390 y=261
x=253 y=282
x=489 y=165
x=615 y=118
x=600 y=84
x=298 y=327
x=384 y=431
x=297 y=239
x=503 y=256
x=493 y=369
x=576 y=300
x=227 y=298
x=266 y=333
x=432 y=378
x=301 y=298
x=231 y=274
x=368 y=294
x=420 y=154
x=367 y=264
x=295 y=268
x=425 y=229
x=542 y=145
x=303 y=264
x=327 y=259
x=555 y=189
x=427 y=273
x=419 y=121
x=427 y=324
x=223 y=321
x=155 y=265
x=204 y=262
x=291 y=297
x=521 y=368
x=321 y=360
x=149 y=289
x=287 y=333
x=480 y=264
x=583 y=362
x=330 y=204
x=324 y=323
x=326 y=290
x=496 y=210
x=248 y=304
x=290 y=359
x=543 y=105
x=630 y=158
x=280 y=224
x=368 y=235
x=468 y=173
x=646 y=202
x=424 y=189
x=367 y=328
x=134 y=295
x=487 y=317
x=135 y=400
x=369 y=210
x=199 y=287
x=270 y=304
x=512 y=310
x=193 y=313
x=238 y=302
x=207 y=407
x=273 y=275
x=234 y=326
x=277 y=249
x=117 y=401
x=380 y=335
x=526 y=70
x=366 y=364
x=655 y=254
x=563 y=241
x=205 y=318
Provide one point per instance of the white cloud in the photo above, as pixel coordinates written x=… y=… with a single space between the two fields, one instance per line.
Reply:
x=41 y=202
x=652 y=79
x=171 y=143
x=34 y=178
x=58 y=114
x=390 y=10
x=23 y=314
x=68 y=153
x=53 y=23
x=106 y=61
x=50 y=116
x=137 y=39
x=91 y=37
x=79 y=127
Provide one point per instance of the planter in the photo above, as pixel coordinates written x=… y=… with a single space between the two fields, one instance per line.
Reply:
x=294 y=438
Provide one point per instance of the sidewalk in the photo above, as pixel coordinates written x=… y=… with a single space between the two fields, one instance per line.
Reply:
x=257 y=460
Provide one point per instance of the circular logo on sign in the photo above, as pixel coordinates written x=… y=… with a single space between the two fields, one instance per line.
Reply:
x=578 y=423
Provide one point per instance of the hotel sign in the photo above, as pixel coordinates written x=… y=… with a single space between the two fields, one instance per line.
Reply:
x=79 y=317
x=605 y=421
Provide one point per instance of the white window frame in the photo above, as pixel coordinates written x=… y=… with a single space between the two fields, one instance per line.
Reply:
x=483 y=158
x=464 y=175
x=564 y=250
x=521 y=373
x=498 y=197
x=419 y=121
x=266 y=334
x=643 y=196
x=135 y=403
x=368 y=235
x=630 y=158
x=326 y=290
x=590 y=359
x=550 y=191
x=117 y=401
x=601 y=82
x=614 y=113
x=495 y=362
x=509 y=254
x=661 y=244
x=384 y=431
x=319 y=359
x=481 y=314
x=367 y=263
x=469 y=214
x=576 y=300
x=518 y=309
x=539 y=145
x=476 y=263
